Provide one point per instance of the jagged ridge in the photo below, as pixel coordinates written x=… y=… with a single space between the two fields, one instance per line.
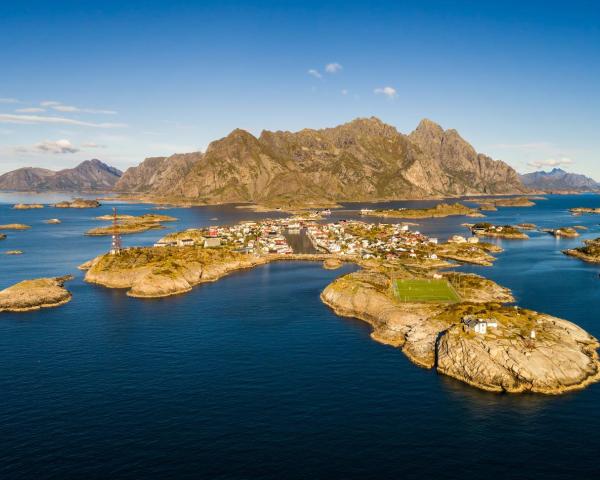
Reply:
x=363 y=160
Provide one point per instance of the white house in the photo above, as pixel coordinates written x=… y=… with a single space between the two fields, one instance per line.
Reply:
x=479 y=325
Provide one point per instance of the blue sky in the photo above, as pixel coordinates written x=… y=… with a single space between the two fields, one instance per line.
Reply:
x=122 y=81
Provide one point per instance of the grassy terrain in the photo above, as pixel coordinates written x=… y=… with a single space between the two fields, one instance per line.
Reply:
x=425 y=290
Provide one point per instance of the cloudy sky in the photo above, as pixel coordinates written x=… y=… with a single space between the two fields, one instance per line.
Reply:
x=118 y=82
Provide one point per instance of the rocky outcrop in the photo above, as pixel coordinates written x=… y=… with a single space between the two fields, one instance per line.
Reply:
x=457 y=168
x=88 y=176
x=35 y=294
x=560 y=358
x=361 y=160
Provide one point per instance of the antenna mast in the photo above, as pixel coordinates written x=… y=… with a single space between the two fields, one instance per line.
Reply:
x=116 y=238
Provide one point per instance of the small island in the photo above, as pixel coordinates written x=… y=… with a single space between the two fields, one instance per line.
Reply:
x=2 y=236
x=439 y=211
x=129 y=224
x=28 y=206
x=498 y=231
x=581 y=210
x=52 y=221
x=13 y=252
x=35 y=294
x=494 y=203
x=589 y=252
x=15 y=226
x=564 y=232
x=78 y=203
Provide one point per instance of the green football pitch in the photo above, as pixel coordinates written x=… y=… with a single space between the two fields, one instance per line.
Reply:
x=425 y=291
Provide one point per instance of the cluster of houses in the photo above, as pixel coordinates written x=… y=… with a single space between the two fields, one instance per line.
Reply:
x=368 y=240
x=247 y=237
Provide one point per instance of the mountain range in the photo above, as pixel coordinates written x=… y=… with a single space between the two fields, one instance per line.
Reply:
x=558 y=180
x=88 y=176
x=363 y=160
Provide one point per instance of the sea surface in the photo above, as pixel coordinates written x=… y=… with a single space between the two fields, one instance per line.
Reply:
x=252 y=377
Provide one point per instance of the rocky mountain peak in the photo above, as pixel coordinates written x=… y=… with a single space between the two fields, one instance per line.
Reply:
x=362 y=160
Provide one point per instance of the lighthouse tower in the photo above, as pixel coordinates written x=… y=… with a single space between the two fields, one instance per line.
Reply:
x=116 y=237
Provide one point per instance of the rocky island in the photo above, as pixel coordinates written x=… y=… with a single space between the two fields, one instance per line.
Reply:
x=439 y=211
x=15 y=226
x=27 y=206
x=498 y=231
x=35 y=294
x=2 y=236
x=472 y=337
x=590 y=252
x=78 y=203
x=52 y=221
x=129 y=224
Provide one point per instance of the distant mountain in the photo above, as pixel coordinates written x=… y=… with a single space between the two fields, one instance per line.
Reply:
x=363 y=160
x=559 y=180
x=91 y=175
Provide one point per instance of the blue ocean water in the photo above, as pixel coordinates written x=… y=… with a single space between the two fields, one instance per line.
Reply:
x=253 y=377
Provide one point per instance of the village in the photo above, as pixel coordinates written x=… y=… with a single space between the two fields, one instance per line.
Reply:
x=346 y=238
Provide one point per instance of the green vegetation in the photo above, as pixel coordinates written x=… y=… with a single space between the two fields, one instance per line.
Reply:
x=425 y=291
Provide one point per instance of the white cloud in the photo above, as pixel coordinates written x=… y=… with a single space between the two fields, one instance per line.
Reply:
x=92 y=145
x=315 y=73
x=551 y=162
x=333 y=67
x=59 y=107
x=57 y=147
x=42 y=119
x=389 y=92
x=8 y=100
x=30 y=110
x=344 y=92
